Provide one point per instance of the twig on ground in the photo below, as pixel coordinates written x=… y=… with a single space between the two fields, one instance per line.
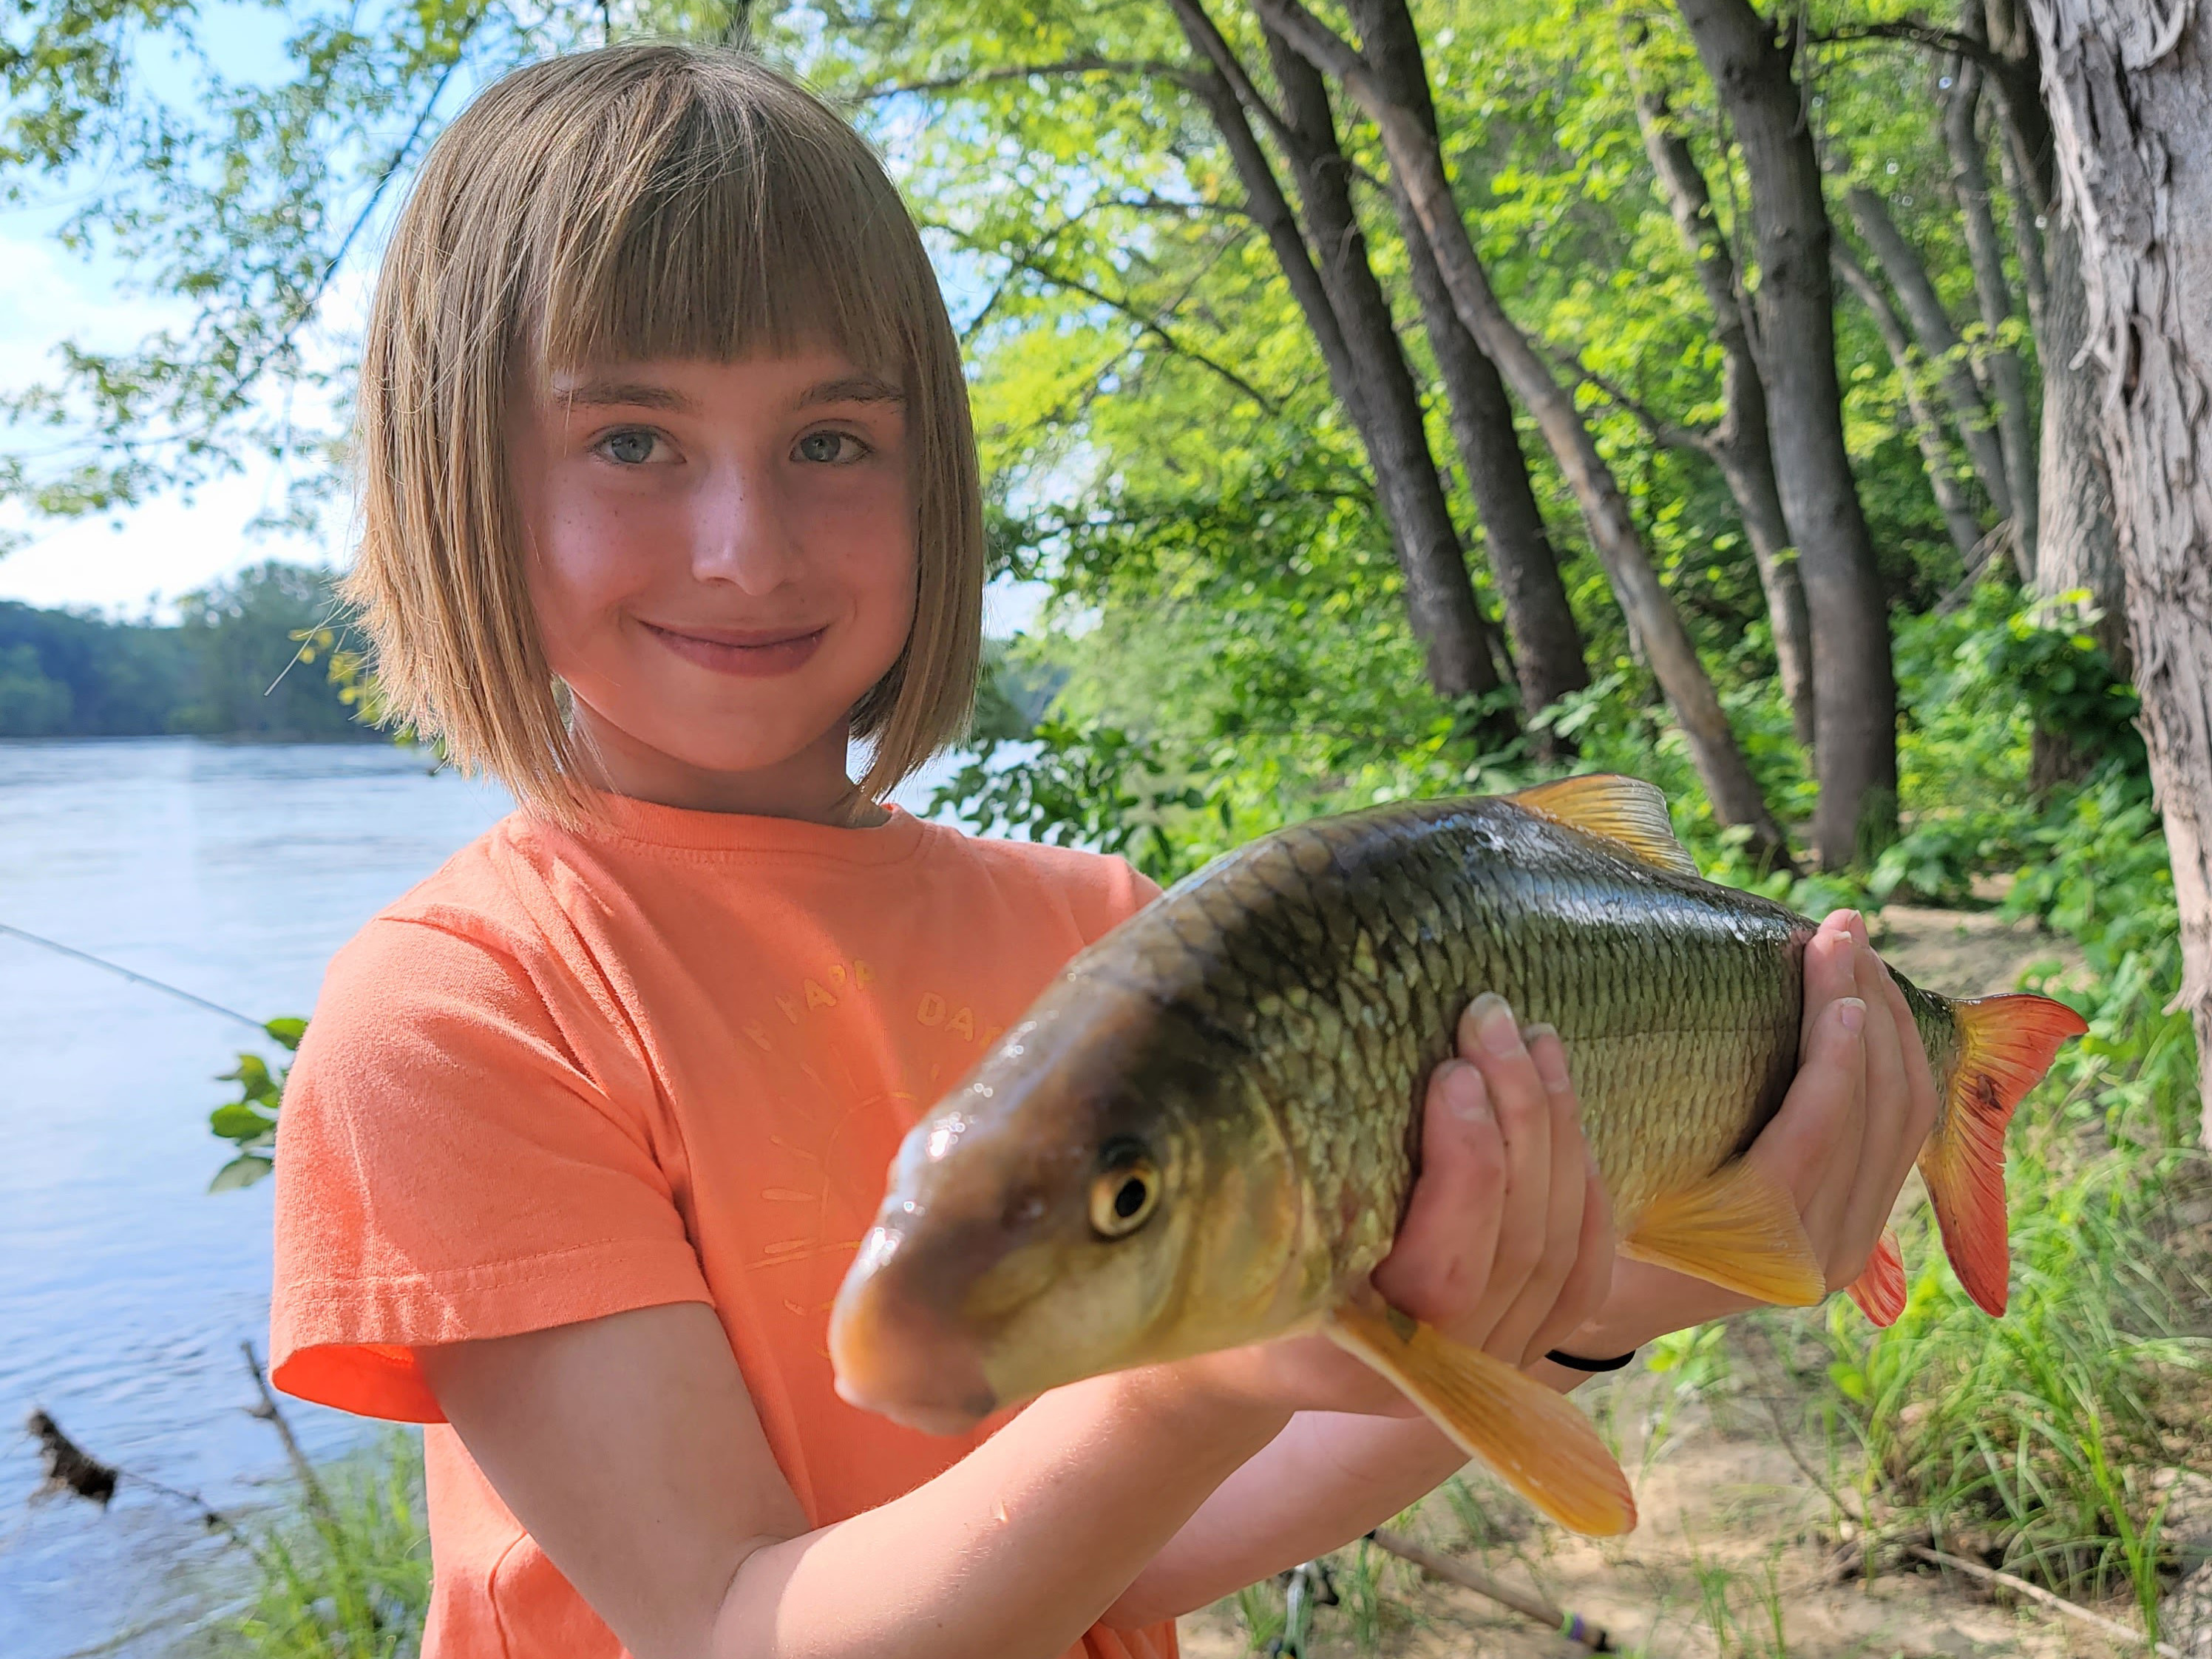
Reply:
x=1526 y=1603
x=2036 y=1592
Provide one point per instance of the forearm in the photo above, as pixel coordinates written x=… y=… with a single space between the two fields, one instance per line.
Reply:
x=1017 y=1549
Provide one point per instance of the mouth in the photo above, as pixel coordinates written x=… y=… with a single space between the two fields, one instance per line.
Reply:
x=746 y=653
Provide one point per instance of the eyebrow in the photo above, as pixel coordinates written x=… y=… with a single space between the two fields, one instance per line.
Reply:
x=646 y=394
x=852 y=389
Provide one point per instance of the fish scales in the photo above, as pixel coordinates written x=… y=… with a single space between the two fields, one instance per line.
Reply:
x=1338 y=956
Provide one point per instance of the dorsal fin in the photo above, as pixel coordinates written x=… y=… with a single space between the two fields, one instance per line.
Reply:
x=1625 y=811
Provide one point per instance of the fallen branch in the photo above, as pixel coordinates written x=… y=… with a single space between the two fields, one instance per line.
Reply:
x=71 y=1469
x=2036 y=1592
x=1526 y=1603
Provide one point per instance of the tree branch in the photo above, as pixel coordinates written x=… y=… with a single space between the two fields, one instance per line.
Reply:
x=1146 y=324
x=1911 y=31
x=1200 y=28
x=1140 y=67
x=1668 y=433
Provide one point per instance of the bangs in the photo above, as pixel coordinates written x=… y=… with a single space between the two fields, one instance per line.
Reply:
x=729 y=226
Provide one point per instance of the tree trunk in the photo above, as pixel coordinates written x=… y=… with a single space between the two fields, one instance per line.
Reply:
x=1740 y=446
x=2077 y=546
x=1970 y=182
x=1927 y=431
x=1351 y=323
x=1939 y=343
x=1417 y=162
x=1547 y=644
x=2130 y=98
x=1854 y=685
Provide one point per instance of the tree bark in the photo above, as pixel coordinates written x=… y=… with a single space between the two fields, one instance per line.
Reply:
x=1351 y=319
x=2078 y=546
x=2007 y=379
x=1740 y=446
x=1854 y=685
x=1939 y=341
x=2130 y=87
x=1547 y=643
x=1417 y=160
x=1927 y=431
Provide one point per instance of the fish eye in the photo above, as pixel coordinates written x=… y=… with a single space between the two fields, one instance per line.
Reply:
x=1124 y=1194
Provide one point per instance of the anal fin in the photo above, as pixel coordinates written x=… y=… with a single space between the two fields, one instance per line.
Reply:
x=1880 y=1291
x=1537 y=1443
x=1739 y=1229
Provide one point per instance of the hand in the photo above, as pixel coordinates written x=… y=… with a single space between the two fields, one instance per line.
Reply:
x=1507 y=1244
x=1862 y=1106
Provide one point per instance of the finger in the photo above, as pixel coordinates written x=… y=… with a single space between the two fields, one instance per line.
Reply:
x=1590 y=1281
x=1441 y=1259
x=1803 y=1145
x=1562 y=1223
x=1888 y=1099
x=1799 y=1147
x=1490 y=1037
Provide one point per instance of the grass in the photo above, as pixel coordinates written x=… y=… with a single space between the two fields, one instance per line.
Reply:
x=343 y=1570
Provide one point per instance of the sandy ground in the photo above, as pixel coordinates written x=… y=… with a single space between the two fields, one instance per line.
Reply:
x=1737 y=1551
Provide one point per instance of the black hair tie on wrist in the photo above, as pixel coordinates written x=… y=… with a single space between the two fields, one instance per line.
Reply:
x=1576 y=1363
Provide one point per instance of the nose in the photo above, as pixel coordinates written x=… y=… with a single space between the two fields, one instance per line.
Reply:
x=741 y=535
x=895 y=1352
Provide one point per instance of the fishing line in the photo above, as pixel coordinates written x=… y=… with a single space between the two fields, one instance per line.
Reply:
x=136 y=977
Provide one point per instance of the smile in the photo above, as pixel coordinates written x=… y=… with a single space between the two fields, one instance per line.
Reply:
x=747 y=653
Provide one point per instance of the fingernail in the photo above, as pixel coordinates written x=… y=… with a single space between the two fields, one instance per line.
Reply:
x=1851 y=1014
x=1464 y=1097
x=1550 y=1055
x=1494 y=1027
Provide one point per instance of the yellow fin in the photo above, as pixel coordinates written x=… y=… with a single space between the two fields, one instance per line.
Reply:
x=1738 y=1228
x=1624 y=810
x=1537 y=1443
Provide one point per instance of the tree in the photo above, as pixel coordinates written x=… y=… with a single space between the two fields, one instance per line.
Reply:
x=1854 y=685
x=2130 y=100
x=1417 y=163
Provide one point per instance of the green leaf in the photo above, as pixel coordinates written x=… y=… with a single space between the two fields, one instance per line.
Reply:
x=237 y=1121
x=287 y=1032
x=240 y=1172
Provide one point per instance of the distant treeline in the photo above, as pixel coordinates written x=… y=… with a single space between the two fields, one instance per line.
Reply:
x=63 y=674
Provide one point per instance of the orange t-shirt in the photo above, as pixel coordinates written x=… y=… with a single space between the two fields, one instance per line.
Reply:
x=667 y=1060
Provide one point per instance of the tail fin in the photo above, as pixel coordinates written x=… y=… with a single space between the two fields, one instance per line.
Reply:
x=1880 y=1291
x=2005 y=1044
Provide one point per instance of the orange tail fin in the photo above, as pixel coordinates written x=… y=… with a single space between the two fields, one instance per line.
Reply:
x=1880 y=1291
x=2005 y=1044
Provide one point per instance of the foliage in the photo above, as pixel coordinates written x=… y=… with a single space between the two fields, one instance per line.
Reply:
x=233 y=667
x=249 y=1123
x=344 y=1571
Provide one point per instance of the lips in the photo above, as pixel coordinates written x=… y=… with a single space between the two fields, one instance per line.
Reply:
x=745 y=652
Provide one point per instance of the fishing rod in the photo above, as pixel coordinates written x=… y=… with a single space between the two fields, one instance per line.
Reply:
x=133 y=975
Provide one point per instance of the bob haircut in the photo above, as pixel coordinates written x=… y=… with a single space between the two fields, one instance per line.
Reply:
x=639 y=202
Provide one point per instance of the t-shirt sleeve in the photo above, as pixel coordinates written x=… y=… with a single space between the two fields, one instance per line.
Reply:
x=448 y=1169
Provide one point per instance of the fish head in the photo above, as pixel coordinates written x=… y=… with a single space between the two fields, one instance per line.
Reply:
x=1102 y=1192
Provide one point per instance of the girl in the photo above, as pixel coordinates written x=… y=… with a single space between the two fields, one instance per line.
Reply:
x=669 y=492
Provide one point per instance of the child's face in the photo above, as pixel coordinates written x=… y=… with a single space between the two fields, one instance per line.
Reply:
x=723 y=559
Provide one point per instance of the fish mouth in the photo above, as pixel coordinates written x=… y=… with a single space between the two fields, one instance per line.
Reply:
x=901 y=1357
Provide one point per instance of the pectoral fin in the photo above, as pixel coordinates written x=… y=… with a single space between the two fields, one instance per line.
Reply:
x=1739 y=1229
x=1539 y=1444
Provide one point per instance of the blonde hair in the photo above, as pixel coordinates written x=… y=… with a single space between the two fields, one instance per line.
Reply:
x=640 y=202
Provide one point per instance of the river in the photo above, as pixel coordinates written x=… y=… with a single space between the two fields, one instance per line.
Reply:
x=233 y=871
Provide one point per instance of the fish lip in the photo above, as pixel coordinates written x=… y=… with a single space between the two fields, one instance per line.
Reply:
x=928 y=1418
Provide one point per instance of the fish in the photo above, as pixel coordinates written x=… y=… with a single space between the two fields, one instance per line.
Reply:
x=1205 y=1132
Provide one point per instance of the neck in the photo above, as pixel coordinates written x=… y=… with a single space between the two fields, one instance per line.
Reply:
x=811 y=786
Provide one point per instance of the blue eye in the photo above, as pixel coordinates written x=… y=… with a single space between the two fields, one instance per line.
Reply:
x=629 y=448
x=829 y=448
